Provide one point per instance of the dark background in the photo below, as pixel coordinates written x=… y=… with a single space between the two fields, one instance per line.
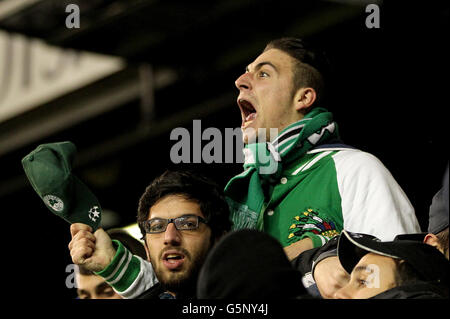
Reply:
x=390 y=94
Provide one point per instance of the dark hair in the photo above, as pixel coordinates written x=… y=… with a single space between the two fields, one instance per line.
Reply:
x=312 y=65
x=405 y=273
x=192 y=186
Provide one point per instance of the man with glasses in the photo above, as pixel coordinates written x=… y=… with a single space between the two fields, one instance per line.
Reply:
x=181 y=215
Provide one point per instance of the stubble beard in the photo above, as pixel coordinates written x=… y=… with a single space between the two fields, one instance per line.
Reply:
x=177 y=281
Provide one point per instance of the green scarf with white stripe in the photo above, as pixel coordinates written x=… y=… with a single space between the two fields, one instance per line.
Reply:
x=264 y=165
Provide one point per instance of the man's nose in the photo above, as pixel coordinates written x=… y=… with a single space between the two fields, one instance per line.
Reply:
x=243 y=82
x=171 y=235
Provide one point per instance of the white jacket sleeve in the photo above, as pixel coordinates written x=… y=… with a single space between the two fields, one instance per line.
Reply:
x=372 y=201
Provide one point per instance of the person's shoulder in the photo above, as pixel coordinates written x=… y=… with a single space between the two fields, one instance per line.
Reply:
x=349 y=158
x=357 y=158
x=355 y=163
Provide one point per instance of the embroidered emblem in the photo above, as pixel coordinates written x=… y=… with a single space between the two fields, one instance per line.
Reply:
x=309 y=221
x=54 y=202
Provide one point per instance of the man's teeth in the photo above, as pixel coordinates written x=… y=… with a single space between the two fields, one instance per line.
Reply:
x=250 y=117
x=172 y=256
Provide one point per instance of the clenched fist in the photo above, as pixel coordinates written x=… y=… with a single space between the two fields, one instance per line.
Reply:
x=93 y=251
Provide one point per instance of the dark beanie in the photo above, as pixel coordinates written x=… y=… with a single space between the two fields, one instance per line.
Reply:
x=248 y=264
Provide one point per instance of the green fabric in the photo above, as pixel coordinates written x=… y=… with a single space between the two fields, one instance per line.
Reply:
x=49 y=170
x=258 y=189
x=115 y=262
x=123 y=269
x=308 y=205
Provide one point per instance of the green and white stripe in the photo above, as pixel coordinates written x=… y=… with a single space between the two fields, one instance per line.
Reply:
x=125 y=273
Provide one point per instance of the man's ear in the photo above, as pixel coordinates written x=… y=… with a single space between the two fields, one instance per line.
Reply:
x=304 y=99
x=432 y=240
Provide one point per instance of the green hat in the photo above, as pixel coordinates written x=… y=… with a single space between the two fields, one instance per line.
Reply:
x=49 y=170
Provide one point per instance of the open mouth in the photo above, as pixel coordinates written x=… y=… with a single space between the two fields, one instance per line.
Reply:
x=173 y=260
x=172 y=257
x=248 y=111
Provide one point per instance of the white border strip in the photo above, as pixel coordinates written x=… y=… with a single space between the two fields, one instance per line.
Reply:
x=118 y=265
x=367 y=248
x=124 y=269
x=311 y=163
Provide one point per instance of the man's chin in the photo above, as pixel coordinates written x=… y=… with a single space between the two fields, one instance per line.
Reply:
x=253 y=134
x=249 y=135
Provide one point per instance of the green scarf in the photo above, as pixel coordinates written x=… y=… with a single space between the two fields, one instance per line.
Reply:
x=246 y=193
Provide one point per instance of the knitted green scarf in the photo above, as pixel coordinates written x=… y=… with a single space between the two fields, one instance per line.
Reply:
x=264 y=165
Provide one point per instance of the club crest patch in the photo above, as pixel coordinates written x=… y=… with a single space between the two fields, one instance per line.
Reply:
x=54 y=202
x=310 y=222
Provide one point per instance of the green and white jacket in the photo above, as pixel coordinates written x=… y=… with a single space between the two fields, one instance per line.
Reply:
x=332 y=187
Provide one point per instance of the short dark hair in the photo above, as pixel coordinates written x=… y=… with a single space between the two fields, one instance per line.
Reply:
x=193 y=186
x=312 y=65
x=405 y=273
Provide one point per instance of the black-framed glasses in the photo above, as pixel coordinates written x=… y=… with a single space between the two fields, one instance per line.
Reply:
x=185 y=222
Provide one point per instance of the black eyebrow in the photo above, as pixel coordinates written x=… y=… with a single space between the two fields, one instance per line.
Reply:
x=185 y=215
x=101 y=287
x=261 y=64
x=361 y=268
